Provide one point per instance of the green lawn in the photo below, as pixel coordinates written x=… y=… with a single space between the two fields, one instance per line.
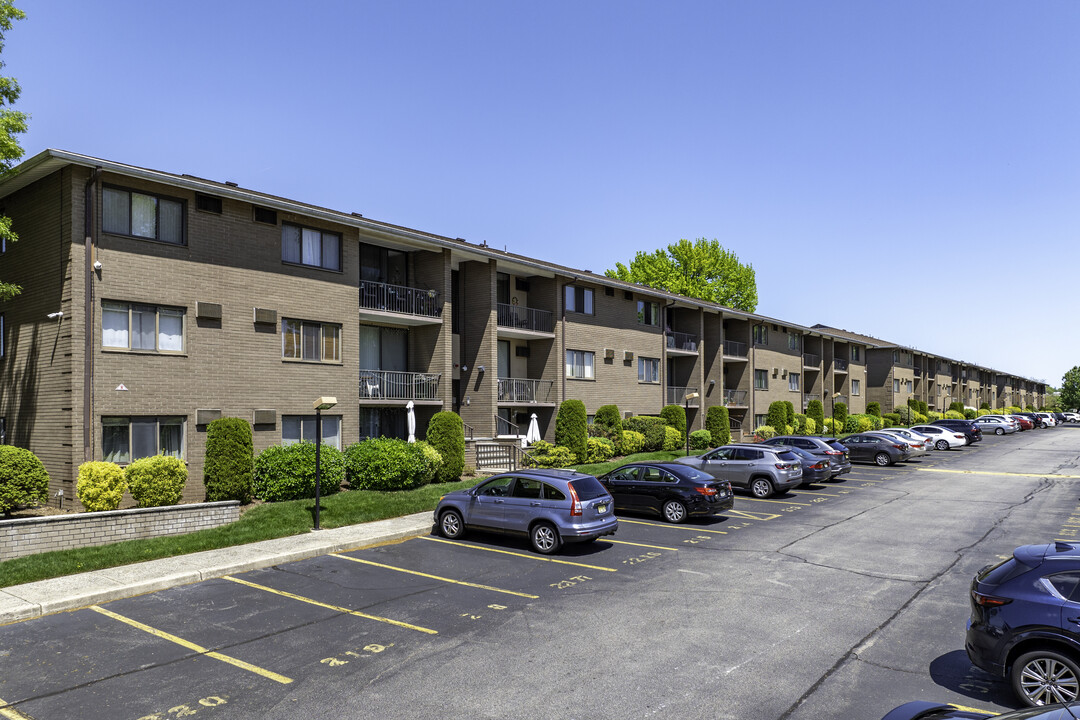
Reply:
x=265 y=522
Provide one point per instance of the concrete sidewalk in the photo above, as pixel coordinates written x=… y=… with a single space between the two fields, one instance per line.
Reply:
x=21 y=602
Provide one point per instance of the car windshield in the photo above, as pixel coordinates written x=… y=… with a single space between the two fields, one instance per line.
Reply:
x=588 y=488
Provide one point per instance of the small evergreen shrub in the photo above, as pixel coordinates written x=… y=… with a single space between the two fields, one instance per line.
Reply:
x=673 y=439
x=228 y=461
x=600 y=450
x=607 y=423
x=655 y=435
x=851 y=424
x=865 y=423
x=920 y=419
x=923 y=408
x=933 y=415
x=545 y=455
x=828 y=426
x=954 y=415
x=840 y=415
x=906 y=415
x=632 y=442
x=100 y=485
x=23 y=479
x=982 y=412
x=570 y=428
x=389 y=464
x=718 y=423
x=969 y=413
x=985 y=406
x=700 y=440
x=675 y=416
x=810 y=426
x=446 y=435
x=892 y=418
x=764 y=432
x=777 y=417
x=789 y=412
x=800 y=423
x=287 y=472
x=957 y=406
x=156 y=481
x=874 y=409
x=638 y=423
x=815 y=410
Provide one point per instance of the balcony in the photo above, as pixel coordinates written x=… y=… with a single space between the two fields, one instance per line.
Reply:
x=840 y=365
x=516 y=321
x=679 y=343
x=918 y=372
x=811 y=361
x=392 y=387
x=399 y=304
x=521 y=391
x=677 y=396
x=734 y=350
x=841 y=399
x=735 y=398
x=806 y=398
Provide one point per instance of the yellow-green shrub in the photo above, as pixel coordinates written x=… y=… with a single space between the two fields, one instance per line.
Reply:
x=673 y=439
x=810 y=425
x=156 y=481
x=100 y=485
x=632 y=442
x=765 y=432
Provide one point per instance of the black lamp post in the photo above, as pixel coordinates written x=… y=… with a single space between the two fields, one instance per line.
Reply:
x=687 y=398
x=323 y=403
x=832 y=412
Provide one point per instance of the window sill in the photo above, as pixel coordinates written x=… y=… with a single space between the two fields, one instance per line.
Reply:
x=312 y=267
x=581 y=379
x=647 y=382
x=145 y=239
x=301 y=361
x=154 y=353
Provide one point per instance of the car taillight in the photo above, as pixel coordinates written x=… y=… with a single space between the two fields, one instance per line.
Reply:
x=819 y=466
x=783 y=466
x=958 y=437
x=898 y=447
x=833 y=452
x=706 y=490
x=989 y=600
x=575 y=506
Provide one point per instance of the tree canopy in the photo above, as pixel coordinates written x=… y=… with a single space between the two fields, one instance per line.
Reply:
x=701 y=269
x=12 y=123
x=1069 y=395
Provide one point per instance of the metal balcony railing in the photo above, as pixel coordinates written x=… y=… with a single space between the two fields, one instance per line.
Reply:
x=811 y=360
x=522 y=390
x=840 y=364
x=735 y=397
x=682 y=341
x=400 y=299
x=396 y=385
x=807 y=397
x=841 y=399
x=734 y=348
x=677 y=396
x=525 y=318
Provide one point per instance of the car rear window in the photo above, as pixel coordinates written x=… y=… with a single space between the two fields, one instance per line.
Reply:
x=696 y=475
x=836 y=445
x=1001 y=572
x=588 y=488
x=787 y=456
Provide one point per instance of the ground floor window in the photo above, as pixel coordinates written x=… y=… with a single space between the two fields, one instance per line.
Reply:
x=386 y=422
x=760 y=420
x=124 y=439
x=301 y=428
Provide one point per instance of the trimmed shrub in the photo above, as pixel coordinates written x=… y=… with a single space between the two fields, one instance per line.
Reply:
x=865 y=422
x=446 y=434
x=980 y=413
x=954 y=415
x=810 y=427
x=700 y=440
x=920 y=419
x=923 y=408
x=765 y=432
x=675 y=416
x=23 y=479
x=777 y=417
x=545 y=455
x=673 y=439
x=985 y=406
x=789 y=417
x=718 y=423
x=287 y=472
x=638 y=423
x=827 y=427
x=652 y=428
x=969 y=413
x=933 y=415
x=632 y=442
x=851 y=424
x=892 y=418
x=906 y=414
x=875 y=408
x=607 y=423
x=957 y=406
x=156 y=481
x=229 y=460
x=100 y=485
x=655 y=435
x=840 y=415
x=815 y=410
x=800 y=423
x=600 y=450
x=570 y=428
x=389 y=464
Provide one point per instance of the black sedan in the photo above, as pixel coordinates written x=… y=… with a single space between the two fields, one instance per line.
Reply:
x=876 y=449
x=673 y=491
x=814 y=469
x=922 y=710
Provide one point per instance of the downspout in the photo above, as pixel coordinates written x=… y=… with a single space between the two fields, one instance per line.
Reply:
x=664 y=359
x=89 y=202
x=562 y=360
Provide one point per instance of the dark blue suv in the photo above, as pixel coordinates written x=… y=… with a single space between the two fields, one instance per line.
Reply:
x=1025 y=622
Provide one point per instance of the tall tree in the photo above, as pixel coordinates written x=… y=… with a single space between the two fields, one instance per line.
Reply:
x=701 y=269
x=1069 y=394
x=12 y=123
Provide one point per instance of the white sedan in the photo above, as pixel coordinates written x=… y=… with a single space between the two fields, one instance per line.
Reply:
x=943 y=438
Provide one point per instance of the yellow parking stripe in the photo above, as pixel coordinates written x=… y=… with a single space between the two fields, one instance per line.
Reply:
x=989 y=472
x=965 y=708
x=338 y=608
x=192 y=646
x=434 y=577
x=782 y=502
x=517 y=554
x=764 y=517
x=811 y=492
x=689 y=528
x=654 y=547
x=10 y=713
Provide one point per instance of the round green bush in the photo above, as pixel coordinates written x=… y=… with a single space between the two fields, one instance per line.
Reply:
x=851 y=424
x=229 y=460
x=608 y=417
x=600 y=450
x=100 y=485
x=675 y=416
x=700 y=440
x=718 y=423
x=545 y=455
x=954 y=415
x=654 y=437
x=446 y=434
x=388 y=464
x=765 y=432
x=631 y=442
x=969 y=413
x=873 y=409
x=892 y=418
x=639 y=423
x=957 y=406
x=800 y=423
x=156 y=481
x=865 y=424
x=811 y=426
x=815 y=410
x=920 y=419
x=287 y=472
x=433 y=456
x=673 y=439
x=571 y=428
x=923 y=408
x=23 y=479
x=933 y=415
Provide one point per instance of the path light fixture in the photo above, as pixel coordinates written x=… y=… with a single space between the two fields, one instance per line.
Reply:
x=687 y=398
x=323 y=403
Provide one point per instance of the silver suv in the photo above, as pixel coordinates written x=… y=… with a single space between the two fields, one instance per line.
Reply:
x=761 y=469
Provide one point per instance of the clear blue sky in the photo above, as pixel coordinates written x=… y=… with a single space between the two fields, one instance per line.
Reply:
x=908 y=169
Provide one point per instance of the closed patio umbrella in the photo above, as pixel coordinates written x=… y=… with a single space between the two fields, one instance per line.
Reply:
x=410 y=420
x=533 y=433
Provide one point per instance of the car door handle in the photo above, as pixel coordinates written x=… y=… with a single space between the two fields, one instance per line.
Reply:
x=535 y=503
x=1074 y=620
x=498 y=500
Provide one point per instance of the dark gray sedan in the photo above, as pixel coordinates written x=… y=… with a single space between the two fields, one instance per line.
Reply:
x=876 y=449
x=827 y=448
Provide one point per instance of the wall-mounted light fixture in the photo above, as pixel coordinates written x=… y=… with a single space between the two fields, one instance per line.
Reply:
x=56 y=315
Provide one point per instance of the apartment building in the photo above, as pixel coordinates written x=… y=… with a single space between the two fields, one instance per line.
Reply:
x=154 y=303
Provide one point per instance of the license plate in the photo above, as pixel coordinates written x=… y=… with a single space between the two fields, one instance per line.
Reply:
x=601 y=508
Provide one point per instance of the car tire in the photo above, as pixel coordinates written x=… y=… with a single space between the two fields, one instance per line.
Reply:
x=544 y=538
x=941 y=445
x=999 y=431
x=674 y=511
x=451 y=526
x=883 y=459
x=761 y=488
x=1043 y=676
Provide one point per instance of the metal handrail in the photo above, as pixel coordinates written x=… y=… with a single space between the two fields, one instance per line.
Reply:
x=677 y=396
x=396 y=385
x=511 y=428
x=468 y=429
x=840 y=364
x=525 y=318
x=682 y=341
x=811 y=360
x=734 y=348
x=400 y=299
x=524 y=390
x=735 y=397
x=734 y=423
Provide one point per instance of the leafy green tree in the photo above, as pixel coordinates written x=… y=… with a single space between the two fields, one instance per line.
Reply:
x=12 y=122
x=1070 y=389
x=701 y=269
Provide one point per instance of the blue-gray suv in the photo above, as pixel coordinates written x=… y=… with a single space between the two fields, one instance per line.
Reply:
x=550 y=507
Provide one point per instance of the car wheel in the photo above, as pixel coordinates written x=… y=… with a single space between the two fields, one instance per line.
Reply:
x=1043 y=676
x=451 y=525
x=545 y=538
x=999 y=431
x=883 y=459
x=674 y=511
x=761 y=488
x=941 y=445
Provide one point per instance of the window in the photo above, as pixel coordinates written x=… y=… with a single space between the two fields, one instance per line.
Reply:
x=3 y=336
x=124 y=439
x=381 y=422
x=208 y=203
x=896 y=356
x=307 y=246
x=895 y=385
x=149 y=328
x=855 y=353
x=3 y=431
x=909 y=386
x=856 y=387
x=379 y=264
x=761 y=379
x=264 y=215
x=648 y=370
x=303 y=340
x=579 y=364
x=142 y=215
x=761 y=335
x=301 y=428
x=579 y=299
x=648 y=313
x=793 y=341
x=793 y=381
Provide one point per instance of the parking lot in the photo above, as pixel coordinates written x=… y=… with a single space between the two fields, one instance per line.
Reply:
x=838 y=601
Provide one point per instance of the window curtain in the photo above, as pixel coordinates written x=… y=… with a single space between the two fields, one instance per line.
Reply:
x=331 y=251
x=290 y=429
x=115 y=209
x=114 y=325
x=331 y=343
x=369 y=348
x=312 y=247
x=312 y=332
x=171 y=218
x=171 y=330
x=143 y=215
x=290 y=243
x=171 y=437
x=114 y=440
x=143 y=327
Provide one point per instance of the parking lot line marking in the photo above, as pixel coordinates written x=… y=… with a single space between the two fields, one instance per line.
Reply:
x=782 y=502
x=517 y=554
x=654 y=547
x=435 y=577
x=690 y=528
x=812 y=492
x=965 y=708
x=10 y=713
x=753 y=515
x=328 y=606
x=192 y=646
x=990 y=472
